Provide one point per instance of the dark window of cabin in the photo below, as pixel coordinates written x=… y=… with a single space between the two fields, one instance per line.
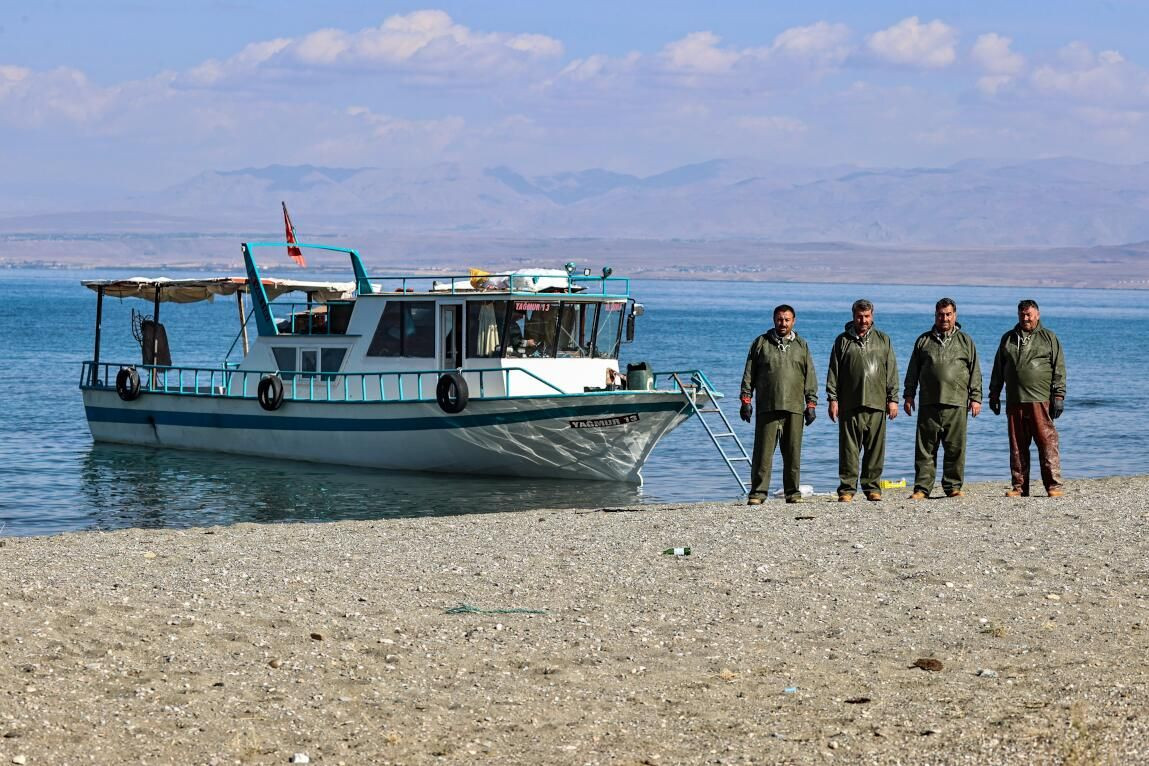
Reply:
x=331 y=359
x=406 y=328
x=284 y=361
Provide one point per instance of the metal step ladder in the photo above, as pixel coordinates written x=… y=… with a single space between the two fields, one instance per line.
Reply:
x=699 y=384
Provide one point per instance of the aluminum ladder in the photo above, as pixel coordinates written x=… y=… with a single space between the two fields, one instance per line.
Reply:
x=699 y=383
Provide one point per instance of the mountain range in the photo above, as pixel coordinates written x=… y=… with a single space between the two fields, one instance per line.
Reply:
x=1060 y=202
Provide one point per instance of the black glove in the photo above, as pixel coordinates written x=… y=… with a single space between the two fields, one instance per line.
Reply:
x=746 y=412
x=1056 y=407
x=995 y=406
x=810 y=415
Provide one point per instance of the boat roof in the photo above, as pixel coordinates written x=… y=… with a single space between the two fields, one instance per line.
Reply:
x=205 y=289
x=520 y=285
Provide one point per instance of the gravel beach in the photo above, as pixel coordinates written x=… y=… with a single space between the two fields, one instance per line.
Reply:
x=971 y=630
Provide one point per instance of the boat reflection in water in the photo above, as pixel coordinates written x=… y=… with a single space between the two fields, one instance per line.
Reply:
x=129 y=486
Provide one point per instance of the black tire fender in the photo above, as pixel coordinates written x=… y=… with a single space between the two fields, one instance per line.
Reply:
x=270 y=392
x=451 y=393
x=128 y=384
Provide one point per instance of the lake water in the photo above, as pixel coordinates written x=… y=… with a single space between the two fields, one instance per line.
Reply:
x=55 y=479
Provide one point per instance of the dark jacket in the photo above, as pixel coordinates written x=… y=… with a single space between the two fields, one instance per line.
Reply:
x=863 y=371
x=946 y=368
x=780 y=373
x=1031 y=366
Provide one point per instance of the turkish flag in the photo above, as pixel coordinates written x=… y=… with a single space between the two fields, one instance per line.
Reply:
x=294 y=252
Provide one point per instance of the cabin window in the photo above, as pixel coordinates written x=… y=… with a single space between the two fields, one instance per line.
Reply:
x=540 y=325
x=530 y=328
x=607 y=330
x=574 y=329
x=293 y=361
x=484 y=325
x=284 y=359
x=406 y=328
x=331 y=359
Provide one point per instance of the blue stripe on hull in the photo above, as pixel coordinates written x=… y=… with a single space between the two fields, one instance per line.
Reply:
x=275 y=422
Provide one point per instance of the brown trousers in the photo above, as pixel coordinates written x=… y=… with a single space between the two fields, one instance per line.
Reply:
x=1030 y=422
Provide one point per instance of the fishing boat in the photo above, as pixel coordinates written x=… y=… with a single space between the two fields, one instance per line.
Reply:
x=512 y=374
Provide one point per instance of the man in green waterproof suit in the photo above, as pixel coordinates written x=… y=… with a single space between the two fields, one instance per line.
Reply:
x=944 y=365
x=1031 y=366
x=862 y=389
x=780 y=375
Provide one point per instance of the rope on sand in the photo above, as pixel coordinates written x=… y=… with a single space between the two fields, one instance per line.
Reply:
x=468 y=609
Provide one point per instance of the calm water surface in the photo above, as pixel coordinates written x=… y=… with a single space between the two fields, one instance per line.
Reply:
x=55 y=479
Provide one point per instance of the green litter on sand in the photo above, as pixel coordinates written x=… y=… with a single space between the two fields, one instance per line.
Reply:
x=468 y=609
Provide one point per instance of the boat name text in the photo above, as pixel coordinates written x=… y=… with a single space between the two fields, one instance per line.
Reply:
x=605 y=422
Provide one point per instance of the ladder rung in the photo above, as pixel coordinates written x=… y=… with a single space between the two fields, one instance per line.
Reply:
x=718 y=436
x=739 y=458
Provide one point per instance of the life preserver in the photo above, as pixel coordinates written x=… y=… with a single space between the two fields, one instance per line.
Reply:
x=451 y=392
x=128 y=384
x=270 y=392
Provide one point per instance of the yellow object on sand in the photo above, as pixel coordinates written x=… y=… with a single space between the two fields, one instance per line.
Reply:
x=891 y=484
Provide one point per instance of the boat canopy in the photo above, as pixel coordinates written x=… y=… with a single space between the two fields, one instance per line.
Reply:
x=194 y=290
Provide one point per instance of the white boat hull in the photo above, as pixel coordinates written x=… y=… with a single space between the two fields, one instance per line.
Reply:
x=605 y=436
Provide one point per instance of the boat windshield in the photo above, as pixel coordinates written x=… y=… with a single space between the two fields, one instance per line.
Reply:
x=608 y=330
x=542 y=328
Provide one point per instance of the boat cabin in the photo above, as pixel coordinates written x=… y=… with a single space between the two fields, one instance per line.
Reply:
x=528 y=333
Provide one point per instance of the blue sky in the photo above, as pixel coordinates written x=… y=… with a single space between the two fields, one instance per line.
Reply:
x=140 y=95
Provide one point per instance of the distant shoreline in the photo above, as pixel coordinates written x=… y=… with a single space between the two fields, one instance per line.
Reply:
x=678 y=275
x=1102 y=267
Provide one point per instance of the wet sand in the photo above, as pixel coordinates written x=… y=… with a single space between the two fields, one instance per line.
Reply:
x=973 y=630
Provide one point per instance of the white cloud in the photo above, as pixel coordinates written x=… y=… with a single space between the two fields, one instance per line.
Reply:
x=821 y=42
x=419 y=44
x=701 y=60
x=992 y=53
x=911 y=43
x=815 y=46
x=323 y=46
x=31 y=98
x=1088 y=78
x=698 y=53
x=246 y=61
x=423 y=41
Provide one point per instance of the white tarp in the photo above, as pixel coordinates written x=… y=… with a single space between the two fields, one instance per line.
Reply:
x=526 y=281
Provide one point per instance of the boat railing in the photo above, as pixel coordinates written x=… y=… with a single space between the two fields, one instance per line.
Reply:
x=697 y=379
x=515 y=282
x=230 y=383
